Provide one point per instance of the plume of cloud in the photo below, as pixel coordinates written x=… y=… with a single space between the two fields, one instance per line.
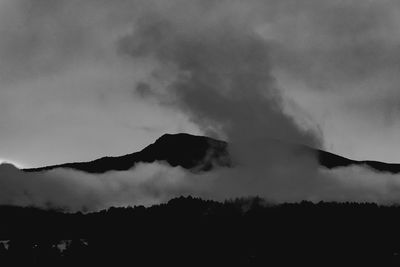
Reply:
x=213 y=65
x=216 y=64
x=216 y=69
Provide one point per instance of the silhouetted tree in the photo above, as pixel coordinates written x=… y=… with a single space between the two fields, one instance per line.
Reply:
x=188 y=231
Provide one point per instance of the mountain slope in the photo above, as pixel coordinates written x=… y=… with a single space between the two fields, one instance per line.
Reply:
x=330 y=161
x=198 y=153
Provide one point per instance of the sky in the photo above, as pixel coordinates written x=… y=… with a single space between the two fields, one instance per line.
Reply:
x=85 y=79
x=89 y=78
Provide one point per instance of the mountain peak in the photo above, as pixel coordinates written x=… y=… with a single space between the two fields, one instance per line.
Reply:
x=188 y=151
x=185 y=137
x=198 y=153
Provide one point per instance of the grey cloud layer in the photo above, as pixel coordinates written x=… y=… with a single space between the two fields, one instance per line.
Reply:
x=64 y=88
x=337 y=41
x=72 y=190
x=348 y=48
x=68 y=70
x=149 y=184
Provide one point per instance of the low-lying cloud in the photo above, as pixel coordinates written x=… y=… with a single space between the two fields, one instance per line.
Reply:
x=72 y=190
x=153 y=183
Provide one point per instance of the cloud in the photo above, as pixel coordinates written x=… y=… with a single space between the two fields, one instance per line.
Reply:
x=71 y=190
x=68 y=69
x=63 y=87
x=149 y=184
x=212 y=64
x=335 y=61
x=216 y=69
x=361 y=184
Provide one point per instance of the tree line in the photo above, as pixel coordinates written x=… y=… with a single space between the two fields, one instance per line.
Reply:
x=189 y=231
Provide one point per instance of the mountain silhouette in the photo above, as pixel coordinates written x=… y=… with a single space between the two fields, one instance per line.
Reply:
x=330 y=161
x=199 y=153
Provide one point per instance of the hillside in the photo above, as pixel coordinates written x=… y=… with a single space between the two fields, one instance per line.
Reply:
x=199 y=153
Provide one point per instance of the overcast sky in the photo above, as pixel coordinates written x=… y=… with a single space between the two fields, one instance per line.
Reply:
x=80 y=79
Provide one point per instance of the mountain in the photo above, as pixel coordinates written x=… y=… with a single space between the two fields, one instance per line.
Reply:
x=198 y=153
x=330 y=161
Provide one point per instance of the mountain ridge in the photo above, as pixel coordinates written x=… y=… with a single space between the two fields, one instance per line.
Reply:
x=199 y=153
x=172 y=148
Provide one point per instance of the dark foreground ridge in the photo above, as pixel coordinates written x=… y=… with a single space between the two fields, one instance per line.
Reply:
x=193 y=232
x=199 y=153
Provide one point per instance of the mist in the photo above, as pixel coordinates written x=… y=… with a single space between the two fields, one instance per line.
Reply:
x=154 y=183
x=70 y=190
